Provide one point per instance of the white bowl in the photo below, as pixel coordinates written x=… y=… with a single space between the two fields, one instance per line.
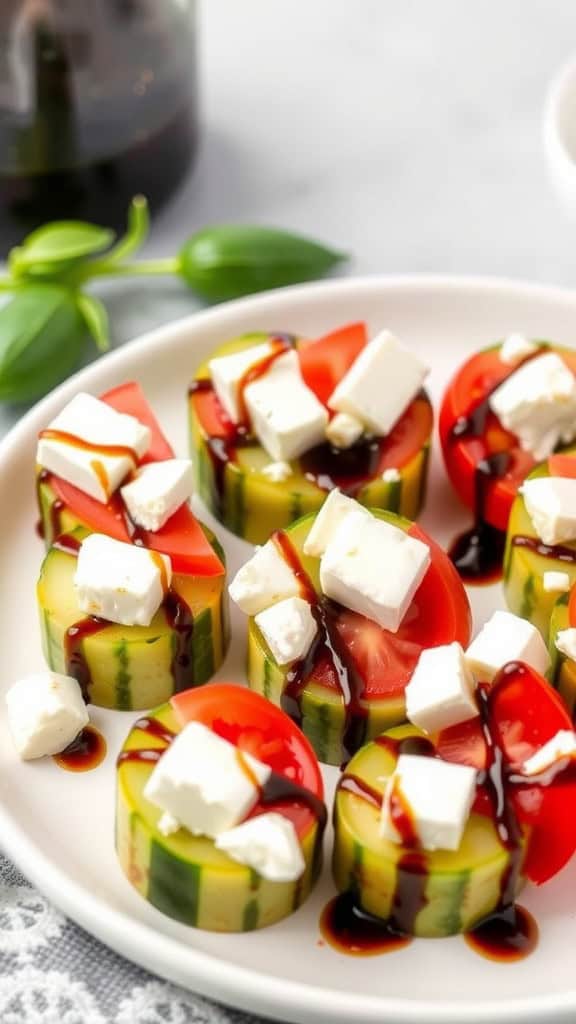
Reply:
x=560 y=135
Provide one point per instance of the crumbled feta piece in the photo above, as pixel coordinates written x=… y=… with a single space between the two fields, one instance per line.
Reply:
x=285 y=414
x=263 y=581
x=437 y=794
x=391 y=475
x=122 y=583
x=538 y=403
x=96 y=423
x=441 y=690
x=228 y=372
x=277 y=472
x=157 y=492
x=205 y=782
x=333 y=512
x=168 y=824
x=268 y=844
x=559 y=747
x=566 y=642
x=374 y=569
x=556 y=582
x=551 y=504
x=380 y=384
x=45 y=713
x=506 y=637
x=288 y=628
x=516 y=347
x=344 y=430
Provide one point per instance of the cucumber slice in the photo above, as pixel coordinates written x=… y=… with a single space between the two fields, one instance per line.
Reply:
x=524 y=568
x=454 y=891
x=323 y=715
x=185 y=876
x=563 y=669
x=251 y=506
x=132 y=667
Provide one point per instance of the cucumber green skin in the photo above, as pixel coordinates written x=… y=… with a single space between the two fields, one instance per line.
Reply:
x=323 y=713
x=252 y=507
x=185 y=876
x=524 y=569
x=461 y=887
x=130 y=666
x=563 y=670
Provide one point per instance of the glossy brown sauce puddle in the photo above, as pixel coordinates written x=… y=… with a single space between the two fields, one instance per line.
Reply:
x=86 y=752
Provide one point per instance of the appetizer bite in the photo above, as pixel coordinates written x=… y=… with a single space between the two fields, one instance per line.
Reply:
x=540 y=558
x=562 y=647
x=277 y=422
x=436 y=831
x=507 y=408
x=131 y=592
x=341 y=604
x=220 y=811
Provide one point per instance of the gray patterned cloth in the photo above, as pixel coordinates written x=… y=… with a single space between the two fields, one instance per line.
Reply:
x=52 y=972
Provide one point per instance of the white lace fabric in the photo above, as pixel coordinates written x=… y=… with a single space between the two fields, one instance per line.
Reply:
x=52 y=972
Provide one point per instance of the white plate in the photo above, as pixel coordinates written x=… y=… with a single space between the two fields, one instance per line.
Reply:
x=58 y=827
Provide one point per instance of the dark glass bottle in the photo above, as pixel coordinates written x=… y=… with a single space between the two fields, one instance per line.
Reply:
x=98 y=101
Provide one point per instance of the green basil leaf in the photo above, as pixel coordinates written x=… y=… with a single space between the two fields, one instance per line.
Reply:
x=60 y=242
x=224 y=262
x=96 y=319
x=42 y=335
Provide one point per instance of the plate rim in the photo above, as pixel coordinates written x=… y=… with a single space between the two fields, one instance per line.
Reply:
x=241 y=987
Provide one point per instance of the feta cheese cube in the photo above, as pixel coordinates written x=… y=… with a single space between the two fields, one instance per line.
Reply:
x=206 y=783
x=344 y=430
x=506 y=637
x=157 y=492
x=285 y=414
x=373 y=568
x=98 y=425
x=439 y=796
x=551 y=504
x=441 y=690
x=288 y=628
x=228 y=372
x=538 y=403
x=263 y=581
x=277 y=472
x=45 y=713
x=335 y=509
x=168 y=824
x=380 y=384
x=566 y=642
x=561 y=746
x=515 y=348
x=556 y=582
x=391 y=475
x=268 y=844
x=120 y=582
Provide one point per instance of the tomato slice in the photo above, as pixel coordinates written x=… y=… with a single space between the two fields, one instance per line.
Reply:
x=562 y=464
x=324 y=362
x=182 y=537
x=471 y=384
x=439 y=614
x=525 y=713
x=260 y=728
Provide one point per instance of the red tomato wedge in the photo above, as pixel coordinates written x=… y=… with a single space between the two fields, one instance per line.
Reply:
x=525 y=713
x=324 y=362
x=562 y=464
x=439 y=614
x=182 y=537
x=471 y=385
x=260 y=728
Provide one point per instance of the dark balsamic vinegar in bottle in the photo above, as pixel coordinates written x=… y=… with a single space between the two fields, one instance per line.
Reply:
x=98 y=101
